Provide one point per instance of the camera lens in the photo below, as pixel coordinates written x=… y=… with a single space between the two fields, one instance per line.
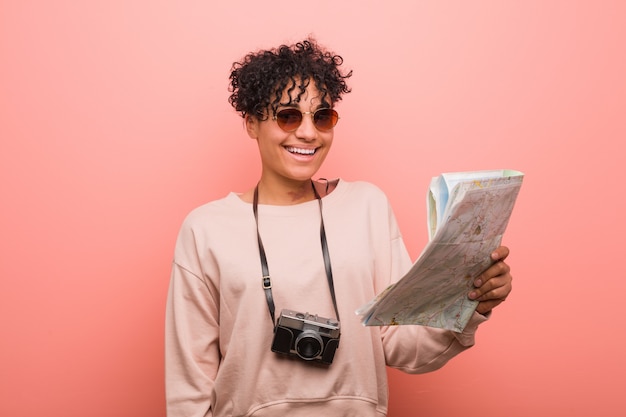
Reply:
x=308 y=345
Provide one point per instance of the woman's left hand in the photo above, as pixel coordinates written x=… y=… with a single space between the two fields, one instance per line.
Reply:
x=493 y=286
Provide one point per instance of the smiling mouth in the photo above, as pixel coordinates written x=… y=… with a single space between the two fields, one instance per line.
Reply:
x=300 y=151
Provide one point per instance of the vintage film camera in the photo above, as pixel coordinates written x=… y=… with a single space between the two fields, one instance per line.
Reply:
x=309 y=337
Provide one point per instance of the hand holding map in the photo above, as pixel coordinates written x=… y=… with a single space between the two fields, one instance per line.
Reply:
x=467 y=215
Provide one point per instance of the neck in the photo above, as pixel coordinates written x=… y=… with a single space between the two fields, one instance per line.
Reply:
x=286 y=194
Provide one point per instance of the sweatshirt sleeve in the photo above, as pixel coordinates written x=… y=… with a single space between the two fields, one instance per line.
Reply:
x=421 y=349
x=192 y=354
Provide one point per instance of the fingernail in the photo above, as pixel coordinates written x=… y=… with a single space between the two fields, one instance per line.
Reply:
x=478 y=283
x=472 y=295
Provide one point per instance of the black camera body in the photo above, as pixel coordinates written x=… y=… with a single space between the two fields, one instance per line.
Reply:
x=307 y=336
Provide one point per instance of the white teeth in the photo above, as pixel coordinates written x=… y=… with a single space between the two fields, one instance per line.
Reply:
x=300 y=151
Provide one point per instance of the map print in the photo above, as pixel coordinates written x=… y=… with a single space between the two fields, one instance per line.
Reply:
x=434 y=291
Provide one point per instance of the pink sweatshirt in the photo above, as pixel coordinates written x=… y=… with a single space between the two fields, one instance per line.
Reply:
x=218 y=326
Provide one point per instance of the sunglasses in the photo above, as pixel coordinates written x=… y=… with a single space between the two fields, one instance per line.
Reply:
x=290 y=119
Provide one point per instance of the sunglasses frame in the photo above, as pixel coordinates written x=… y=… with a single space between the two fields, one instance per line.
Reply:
x=303 y=113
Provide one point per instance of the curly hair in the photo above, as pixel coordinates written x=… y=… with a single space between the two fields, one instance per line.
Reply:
x=258 y=81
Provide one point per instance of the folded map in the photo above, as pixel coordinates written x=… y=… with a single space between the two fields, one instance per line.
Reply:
x=467 y=215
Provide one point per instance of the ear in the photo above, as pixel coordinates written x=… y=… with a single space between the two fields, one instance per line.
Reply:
x=252 y=126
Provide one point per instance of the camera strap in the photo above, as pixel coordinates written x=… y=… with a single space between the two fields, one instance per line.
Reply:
x=266 y=280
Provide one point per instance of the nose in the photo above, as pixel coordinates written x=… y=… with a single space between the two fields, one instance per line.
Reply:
x=306 y=131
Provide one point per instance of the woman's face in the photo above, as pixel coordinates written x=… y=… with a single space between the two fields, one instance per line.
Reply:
x=295 y=156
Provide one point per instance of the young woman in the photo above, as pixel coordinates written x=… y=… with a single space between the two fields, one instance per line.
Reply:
x=264 y=285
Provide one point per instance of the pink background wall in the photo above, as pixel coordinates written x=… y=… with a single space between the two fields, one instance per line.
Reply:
x=114 y=123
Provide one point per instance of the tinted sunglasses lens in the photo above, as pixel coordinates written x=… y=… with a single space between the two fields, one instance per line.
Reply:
x=289 y=119
x=325 y=119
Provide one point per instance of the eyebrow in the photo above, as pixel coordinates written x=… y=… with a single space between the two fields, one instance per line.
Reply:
x=323 y=105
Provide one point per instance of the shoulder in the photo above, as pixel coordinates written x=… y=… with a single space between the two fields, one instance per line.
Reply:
x=355 y=198
x=214 y=224
x=363 y=190
x=220 y=211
